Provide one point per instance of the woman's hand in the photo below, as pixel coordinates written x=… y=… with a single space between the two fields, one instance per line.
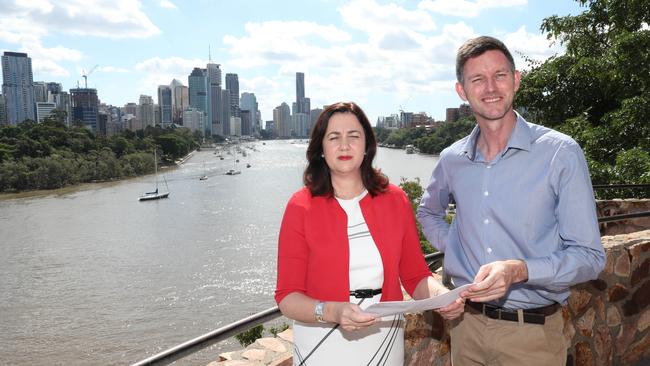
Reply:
x=348 y=315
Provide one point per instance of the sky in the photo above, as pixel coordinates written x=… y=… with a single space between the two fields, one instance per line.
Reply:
x=386 y=56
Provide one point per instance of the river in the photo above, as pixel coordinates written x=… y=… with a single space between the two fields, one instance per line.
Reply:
x=92 y=276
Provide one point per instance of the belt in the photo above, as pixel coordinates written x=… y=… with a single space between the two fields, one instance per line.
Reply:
x=365 y=293
x=534 y=316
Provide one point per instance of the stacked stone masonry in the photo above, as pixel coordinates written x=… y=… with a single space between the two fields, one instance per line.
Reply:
x=607 y=320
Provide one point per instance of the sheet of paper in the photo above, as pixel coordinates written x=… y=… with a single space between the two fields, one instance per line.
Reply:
x=397 y=307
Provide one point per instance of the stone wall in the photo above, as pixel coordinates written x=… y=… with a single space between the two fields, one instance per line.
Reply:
x=606 y=208
x=607 y=320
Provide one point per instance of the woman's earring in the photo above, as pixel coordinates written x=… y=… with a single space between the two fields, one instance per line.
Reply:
x=365 y=153
x=322 y=155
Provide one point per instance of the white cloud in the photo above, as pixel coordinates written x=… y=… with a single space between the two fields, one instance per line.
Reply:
x=112 y=69
x=466 y=8
x=280 y=42
x=371 y=17
x=534 y=46
x=26 y=23
x=160 y=71
x=48 y=67
x=108 y=19
x=167 y=4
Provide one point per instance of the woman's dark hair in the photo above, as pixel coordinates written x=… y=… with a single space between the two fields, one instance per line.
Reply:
x=317 y=174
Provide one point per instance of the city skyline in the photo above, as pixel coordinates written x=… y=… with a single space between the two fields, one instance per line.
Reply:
x=383 y=55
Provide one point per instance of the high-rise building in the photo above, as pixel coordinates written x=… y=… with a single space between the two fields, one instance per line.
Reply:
x=17 y=87
x=63 y=103
x=180 y=100
x=131 y=108
x=194 y=119
x=299 y=125
x=85 y=106
x=302 y=104
x=464 y=111
x=3 y=111
x=282 y=120
x=146 y=113
x=40 y=92
x=198 y=87
x=225 y=111
x=165 y=105
x=300 y=86
x=214 y=98
x=249 y=103
x=301 y=108
x=314 y=114
x=246 y=125
x=44 y=109
x=235 y=126
x=232 y=84
x=452 y=114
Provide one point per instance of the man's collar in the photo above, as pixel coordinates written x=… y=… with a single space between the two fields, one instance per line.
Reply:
x=520 y=138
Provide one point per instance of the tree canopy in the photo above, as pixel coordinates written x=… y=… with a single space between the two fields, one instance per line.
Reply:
x=50 y=155
x=598 y=90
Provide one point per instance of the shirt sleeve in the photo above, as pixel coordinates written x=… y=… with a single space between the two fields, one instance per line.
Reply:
x=581 y=256
x=433 y=208
x=292 y=252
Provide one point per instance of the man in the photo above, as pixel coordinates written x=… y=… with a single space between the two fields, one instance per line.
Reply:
x=525 y=228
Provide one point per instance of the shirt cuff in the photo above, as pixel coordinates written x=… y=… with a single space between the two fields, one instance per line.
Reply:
x=540 y=271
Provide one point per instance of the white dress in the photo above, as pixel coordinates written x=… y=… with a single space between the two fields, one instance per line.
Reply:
x=379 y=344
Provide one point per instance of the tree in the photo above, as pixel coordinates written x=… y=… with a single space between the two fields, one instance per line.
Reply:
x=599 y=90
x=414 y=192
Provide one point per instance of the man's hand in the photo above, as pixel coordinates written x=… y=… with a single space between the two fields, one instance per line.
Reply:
x=494 y=279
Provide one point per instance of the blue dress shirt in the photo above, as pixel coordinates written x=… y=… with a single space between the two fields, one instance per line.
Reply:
x=533 y=202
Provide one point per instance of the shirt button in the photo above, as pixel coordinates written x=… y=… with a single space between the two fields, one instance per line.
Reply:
x=486 y=193
x=489 y=250
x=486 y=221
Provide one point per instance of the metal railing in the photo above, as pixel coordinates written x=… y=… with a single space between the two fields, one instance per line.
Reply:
x=194 y=345
x=617 y=186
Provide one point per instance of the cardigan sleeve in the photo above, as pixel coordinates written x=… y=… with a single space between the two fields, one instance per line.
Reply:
x=412 y=267
x=292 y=251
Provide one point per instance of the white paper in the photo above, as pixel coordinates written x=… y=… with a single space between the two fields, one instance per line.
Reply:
x=397 y=307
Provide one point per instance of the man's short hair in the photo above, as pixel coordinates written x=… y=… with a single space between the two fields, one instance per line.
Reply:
x=476 y=47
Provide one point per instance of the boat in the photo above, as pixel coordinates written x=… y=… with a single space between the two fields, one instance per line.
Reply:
x=205 y=175
x=234 y=170
x=248 y=165
x=410 y=149
x=156 y=194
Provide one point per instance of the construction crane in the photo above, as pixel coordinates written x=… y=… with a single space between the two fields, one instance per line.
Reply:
x=85 y=74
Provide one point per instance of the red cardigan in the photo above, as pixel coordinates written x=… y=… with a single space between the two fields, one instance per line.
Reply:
x=313 y=249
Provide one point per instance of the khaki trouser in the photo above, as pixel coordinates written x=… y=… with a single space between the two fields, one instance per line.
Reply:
x=479 y=340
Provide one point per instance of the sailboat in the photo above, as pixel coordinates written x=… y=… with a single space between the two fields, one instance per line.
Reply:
x=234 y=171
x=204 y=176
x=155 y=195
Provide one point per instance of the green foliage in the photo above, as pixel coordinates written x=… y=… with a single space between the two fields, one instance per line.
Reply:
x=414 y=192
x=249 y=336
x=598 y=92
x=50 y=155
x=279 y=329
x=443 y=135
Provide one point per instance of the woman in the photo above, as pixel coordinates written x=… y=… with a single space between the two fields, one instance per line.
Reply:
x=348 y=238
